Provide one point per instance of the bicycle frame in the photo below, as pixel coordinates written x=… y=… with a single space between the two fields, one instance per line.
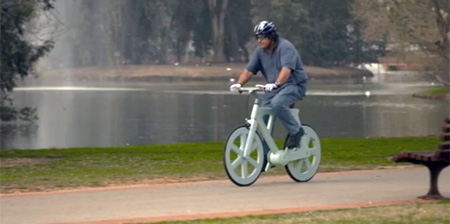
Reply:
x=245 y=155
x=256 y=122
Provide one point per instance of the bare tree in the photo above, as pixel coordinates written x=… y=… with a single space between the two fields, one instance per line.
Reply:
x=408 y=23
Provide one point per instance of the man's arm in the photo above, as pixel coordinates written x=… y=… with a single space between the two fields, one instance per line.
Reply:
x=244 y=77
x=284 y=75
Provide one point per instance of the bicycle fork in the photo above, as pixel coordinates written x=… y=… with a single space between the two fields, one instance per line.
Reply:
x=253 y=128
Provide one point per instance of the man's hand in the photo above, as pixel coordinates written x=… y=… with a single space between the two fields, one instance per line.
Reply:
x=235 y=87
x=270 y=87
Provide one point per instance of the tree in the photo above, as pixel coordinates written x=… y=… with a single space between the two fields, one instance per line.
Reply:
x=202 y=33
x=183 y=23
x=326 y=41
x=217 y=9
x=409 y=24
x=87 y=37
x=18 y=53
x=325 y=32
x=238 y=30
x=290 y=18
x=132 y=29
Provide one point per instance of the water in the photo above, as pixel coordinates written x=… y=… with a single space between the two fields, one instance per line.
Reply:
x=122 y=114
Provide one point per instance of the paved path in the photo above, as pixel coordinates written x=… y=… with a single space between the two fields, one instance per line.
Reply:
x=219 y=198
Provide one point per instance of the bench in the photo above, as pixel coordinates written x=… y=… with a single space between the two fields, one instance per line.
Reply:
x=435 y=161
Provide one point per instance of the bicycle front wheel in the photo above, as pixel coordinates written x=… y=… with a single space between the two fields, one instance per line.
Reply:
x=243 y=170
x=303 y=170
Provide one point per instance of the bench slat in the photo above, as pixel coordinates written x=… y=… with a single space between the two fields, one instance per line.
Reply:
x=408 y=156
x=446 y=129
x=445 y=137
x=424 y=156
x=444 y=146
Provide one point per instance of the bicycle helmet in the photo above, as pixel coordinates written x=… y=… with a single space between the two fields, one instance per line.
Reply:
x=265 y=27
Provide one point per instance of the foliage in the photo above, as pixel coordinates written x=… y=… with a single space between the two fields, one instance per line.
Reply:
x=202 y=33
x=325 y=32
x=217 y=10
x=163 y=31
x=10 y=113
x=238 y=30
x=19 y=52
x=141 y=32
x=183 y=23
x=418 y=31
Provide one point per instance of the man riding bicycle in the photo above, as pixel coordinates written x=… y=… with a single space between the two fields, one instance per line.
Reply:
x=280 y=64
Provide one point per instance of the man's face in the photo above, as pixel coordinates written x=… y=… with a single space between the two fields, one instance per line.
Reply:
x=263 y=41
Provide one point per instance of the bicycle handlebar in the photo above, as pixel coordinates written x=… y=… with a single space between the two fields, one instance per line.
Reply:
x=257 y=88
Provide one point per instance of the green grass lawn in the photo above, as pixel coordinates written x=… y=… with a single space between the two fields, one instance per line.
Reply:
x=94 y=167
x=428 y=213
x=439 y=91
x=436 y=93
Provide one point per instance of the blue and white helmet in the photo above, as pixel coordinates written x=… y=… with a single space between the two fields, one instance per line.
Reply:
x=264 y=27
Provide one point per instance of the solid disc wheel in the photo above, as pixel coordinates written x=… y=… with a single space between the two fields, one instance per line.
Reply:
x=243 y=170
x=303 y=170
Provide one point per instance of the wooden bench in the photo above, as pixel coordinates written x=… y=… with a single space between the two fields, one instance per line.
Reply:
x=435 y=161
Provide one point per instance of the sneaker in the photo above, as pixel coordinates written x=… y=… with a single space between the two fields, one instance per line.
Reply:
x=294 y=141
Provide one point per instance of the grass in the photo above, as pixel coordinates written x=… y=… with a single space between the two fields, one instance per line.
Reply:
x=420 y=213
x=436 y=93
x=439 y=91
x=95 y=167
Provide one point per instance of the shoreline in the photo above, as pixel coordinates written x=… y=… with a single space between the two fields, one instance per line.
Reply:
x=213 y=72
x=197 y=73
x=431 y=96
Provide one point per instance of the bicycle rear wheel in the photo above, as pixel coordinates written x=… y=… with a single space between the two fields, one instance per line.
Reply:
x=242 y=170
x=303 y=170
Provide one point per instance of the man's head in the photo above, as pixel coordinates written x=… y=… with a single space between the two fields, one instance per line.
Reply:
x=265 y=33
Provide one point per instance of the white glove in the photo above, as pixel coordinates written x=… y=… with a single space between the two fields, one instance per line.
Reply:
x=270 y=86
x=235 y=87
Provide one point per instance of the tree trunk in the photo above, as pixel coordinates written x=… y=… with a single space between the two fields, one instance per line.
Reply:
x=443 y=24
x=217 y=15
x=163 y=56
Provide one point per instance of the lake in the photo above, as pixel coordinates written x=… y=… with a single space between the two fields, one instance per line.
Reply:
x=142 y=113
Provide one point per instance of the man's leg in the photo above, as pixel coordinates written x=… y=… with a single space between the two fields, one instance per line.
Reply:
x=280 y=105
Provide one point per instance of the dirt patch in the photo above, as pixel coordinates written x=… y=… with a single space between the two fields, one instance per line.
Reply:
x=13 y=162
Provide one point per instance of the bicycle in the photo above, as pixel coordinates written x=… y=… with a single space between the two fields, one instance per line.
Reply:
x=244 y=155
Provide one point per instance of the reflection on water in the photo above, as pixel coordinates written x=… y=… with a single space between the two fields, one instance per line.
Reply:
x=145 y=113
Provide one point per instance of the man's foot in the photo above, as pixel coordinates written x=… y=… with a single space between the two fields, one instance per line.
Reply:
x=294 y=140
